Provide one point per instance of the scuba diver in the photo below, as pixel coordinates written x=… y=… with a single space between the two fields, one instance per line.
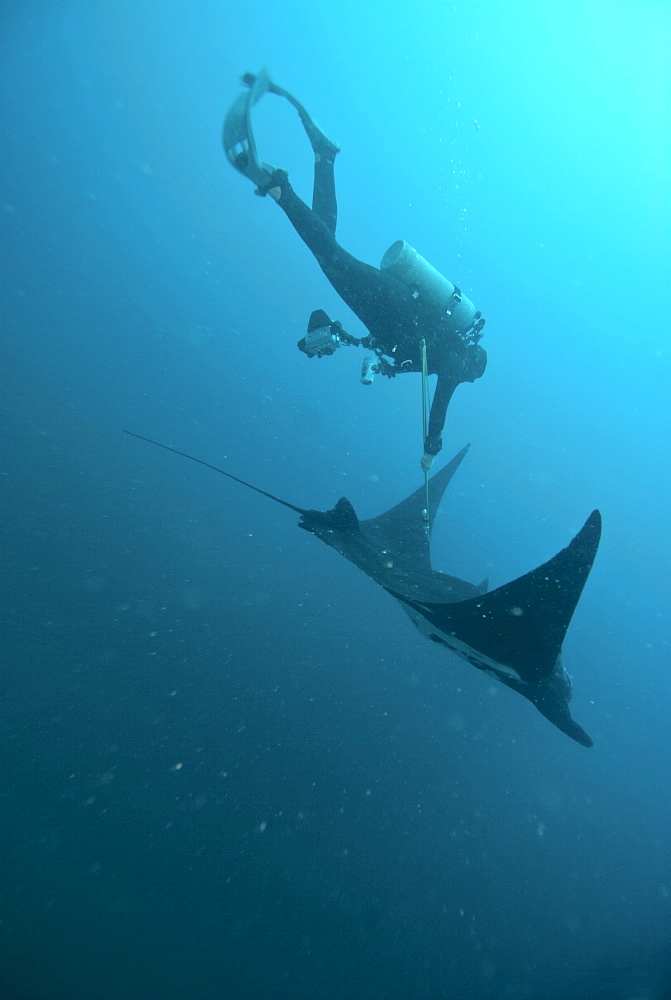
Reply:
x=417 y=320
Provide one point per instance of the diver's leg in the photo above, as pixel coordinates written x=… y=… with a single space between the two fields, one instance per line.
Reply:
x=378 y=299
x=311 y=228
x=324 y=202
x=325 y=150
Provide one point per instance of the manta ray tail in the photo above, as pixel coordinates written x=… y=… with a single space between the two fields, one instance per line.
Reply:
x=192 y=458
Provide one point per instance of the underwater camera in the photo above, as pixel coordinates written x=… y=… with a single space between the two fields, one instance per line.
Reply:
x=324 y=336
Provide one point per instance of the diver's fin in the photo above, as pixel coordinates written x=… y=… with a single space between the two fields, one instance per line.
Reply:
x=320 y=142
x=522 y=624
x=238 y=136
x=271 y=496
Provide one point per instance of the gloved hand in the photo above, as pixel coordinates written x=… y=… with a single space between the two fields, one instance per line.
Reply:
x=427 y=461
x=474 y=363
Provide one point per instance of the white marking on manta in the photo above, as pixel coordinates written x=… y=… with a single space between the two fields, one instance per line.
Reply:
x=466 y=652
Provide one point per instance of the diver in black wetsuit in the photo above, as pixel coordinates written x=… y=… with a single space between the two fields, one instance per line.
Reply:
x=397 y=314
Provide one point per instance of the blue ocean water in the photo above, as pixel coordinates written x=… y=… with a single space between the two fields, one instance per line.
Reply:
x=232 y=768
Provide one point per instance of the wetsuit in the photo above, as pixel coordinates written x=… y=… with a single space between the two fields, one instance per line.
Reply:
x=396 y=317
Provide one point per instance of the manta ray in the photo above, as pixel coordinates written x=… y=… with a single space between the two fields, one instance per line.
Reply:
x=514 y=633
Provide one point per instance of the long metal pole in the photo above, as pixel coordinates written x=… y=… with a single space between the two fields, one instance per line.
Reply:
x=425 y=430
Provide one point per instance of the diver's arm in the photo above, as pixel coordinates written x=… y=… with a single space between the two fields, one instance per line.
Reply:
x=441 y=400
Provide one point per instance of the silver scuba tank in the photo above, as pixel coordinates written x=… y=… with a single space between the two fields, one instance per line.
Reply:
x=403 y=261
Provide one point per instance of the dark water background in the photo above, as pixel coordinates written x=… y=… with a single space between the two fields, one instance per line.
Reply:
x=231 y=768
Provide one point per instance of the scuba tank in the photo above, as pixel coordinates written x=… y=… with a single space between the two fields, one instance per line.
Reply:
x=405 y=263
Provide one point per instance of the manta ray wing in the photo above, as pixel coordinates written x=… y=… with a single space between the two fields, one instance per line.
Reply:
x=515 y=632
